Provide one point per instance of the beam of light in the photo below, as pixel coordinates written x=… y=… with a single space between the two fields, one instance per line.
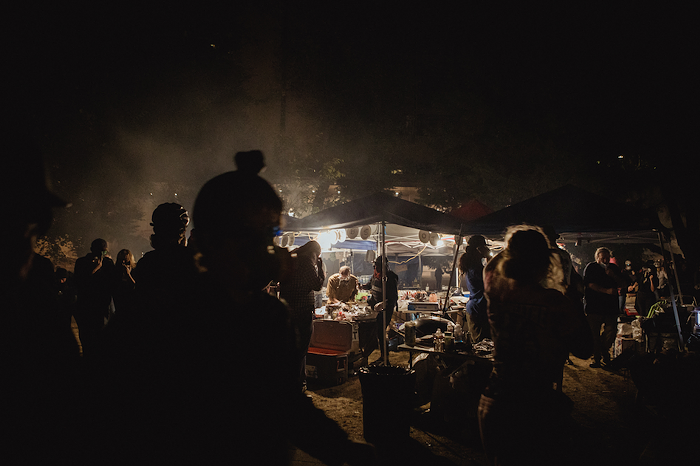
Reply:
x=325 y=239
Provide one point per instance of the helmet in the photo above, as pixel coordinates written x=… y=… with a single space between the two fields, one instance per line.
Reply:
x=170 y=216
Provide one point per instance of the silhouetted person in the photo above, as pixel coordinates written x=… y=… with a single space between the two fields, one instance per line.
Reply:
x=630 y=288
x=94 y=274
x=521 y=416
x=566 y=279
x=37 y=368
x=297 y=290
x=213 y=380
x=471 y=265
x=376 y=297
x=123 y=284
x=647 y=282
x=171 y=264
x=438 y=278
x=602 y=280
x=66 y=294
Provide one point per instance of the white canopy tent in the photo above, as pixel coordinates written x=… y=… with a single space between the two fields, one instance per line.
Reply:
x=397 y=226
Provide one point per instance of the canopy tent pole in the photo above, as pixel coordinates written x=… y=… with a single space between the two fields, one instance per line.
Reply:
x=458 y=244
x=420 y=271
x=385 y=264
x=681 y=343
x=672 y=265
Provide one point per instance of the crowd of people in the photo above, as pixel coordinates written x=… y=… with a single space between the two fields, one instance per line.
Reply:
x=179 y=374
x=174 y=369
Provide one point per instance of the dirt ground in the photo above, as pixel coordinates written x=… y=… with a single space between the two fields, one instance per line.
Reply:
x=609 y=425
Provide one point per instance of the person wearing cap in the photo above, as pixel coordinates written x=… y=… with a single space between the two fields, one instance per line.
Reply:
x=213 y=378
x=471 y=265
x=170 y=265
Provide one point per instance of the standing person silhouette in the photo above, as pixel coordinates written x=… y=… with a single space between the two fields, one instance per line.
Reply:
x=170 y=265
x=602 y=280
x=297 y=290
x=94 y=274
x=471 y=265
x=38 y=353
x=376 y=298
x=521 y=415
x=124 y=285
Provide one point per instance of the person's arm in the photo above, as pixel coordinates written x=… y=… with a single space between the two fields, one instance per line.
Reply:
x=354 y=291
x=331 y=289
x=601 y=289
x=313 y=275
x=592 y=275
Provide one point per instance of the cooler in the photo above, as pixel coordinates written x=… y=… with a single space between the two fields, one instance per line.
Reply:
x=327 y=366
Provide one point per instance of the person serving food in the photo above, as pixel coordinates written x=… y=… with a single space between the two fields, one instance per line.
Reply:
x=342 y=286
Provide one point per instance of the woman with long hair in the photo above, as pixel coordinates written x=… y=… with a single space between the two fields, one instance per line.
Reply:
x=522 y=413
x=124 y=283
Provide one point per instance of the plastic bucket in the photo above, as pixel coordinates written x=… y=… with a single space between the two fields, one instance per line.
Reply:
x=387 y=401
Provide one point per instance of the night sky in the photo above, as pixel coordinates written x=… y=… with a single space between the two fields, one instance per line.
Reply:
x=132 y=105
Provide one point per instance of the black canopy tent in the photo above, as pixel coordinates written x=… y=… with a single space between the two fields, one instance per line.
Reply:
x=383 y=209
x=377 y=208
x=574 y=213
x=578 y=215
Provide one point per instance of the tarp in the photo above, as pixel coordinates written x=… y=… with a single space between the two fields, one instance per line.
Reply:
x=375 y=208
x=574 y=213
x=471 y=210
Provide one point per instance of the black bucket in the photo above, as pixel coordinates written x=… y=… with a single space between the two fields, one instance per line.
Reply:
x=387 y=401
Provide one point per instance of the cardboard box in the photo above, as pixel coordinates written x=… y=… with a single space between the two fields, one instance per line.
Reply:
x=327 y=366
x=624 y=344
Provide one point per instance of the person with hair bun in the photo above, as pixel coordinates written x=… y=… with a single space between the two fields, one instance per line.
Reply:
x=521 y=413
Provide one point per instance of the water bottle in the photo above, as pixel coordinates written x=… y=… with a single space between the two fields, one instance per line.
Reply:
x=449 y=344
x=410 y=330
x=458 y=333
x=438 y=342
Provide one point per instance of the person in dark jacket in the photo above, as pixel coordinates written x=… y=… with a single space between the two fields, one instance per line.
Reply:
x=94 y=274
x=171 y=264
x=471 y=265
x=376 y=298
x=297 y=290
x=38 y=353
x=601 y=280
